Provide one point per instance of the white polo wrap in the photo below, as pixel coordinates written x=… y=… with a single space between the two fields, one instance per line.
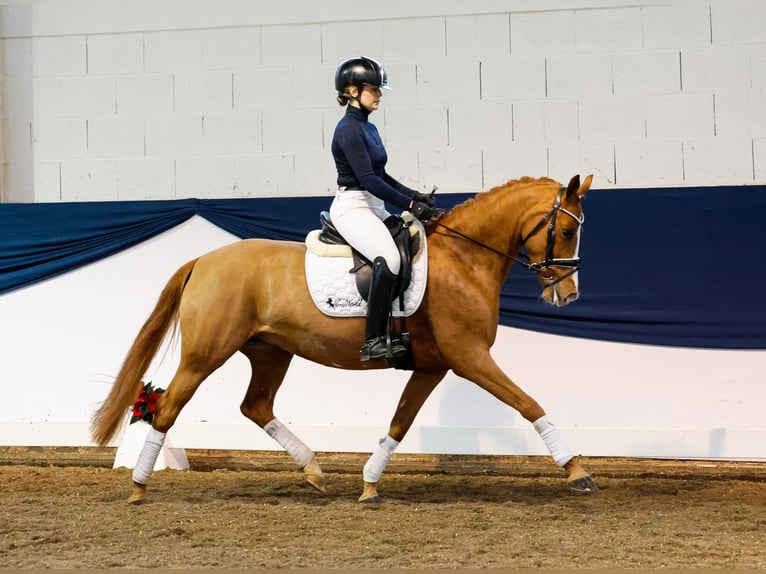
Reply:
x=148 y=457
x=301 y=454
x=377 y=462
x=552 y=439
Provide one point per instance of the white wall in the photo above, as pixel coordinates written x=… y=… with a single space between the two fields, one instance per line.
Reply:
x=63 y=341
x=161 y=99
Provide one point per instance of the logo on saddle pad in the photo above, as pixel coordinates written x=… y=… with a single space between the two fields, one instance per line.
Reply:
x=332 y=283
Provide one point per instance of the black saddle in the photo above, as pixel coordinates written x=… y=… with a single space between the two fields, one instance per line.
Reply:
x=407 y=244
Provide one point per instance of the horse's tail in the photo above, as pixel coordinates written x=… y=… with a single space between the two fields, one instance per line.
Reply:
x=128 y=383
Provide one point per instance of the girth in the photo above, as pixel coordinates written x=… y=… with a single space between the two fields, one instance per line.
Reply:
x=407 y=245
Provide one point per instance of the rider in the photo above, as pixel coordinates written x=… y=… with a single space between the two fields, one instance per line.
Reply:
x=358 y=209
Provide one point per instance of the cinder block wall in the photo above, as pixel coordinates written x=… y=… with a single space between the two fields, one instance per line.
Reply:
x=108 y=100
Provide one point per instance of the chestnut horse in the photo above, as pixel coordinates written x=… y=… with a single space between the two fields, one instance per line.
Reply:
x=252 y=297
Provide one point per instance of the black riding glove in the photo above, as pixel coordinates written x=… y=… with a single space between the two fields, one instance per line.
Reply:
x=423 y=198
x=421 y=210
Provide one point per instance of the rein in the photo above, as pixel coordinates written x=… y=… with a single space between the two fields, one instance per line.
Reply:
x=522 y=259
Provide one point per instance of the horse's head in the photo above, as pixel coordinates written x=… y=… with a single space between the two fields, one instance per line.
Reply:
x=552 y=241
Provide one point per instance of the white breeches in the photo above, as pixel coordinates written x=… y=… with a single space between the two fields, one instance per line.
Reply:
x=358 y=216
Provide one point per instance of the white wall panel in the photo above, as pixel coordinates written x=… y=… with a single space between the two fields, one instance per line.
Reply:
x=174 y=136
x=116 y=137
x=59 y=56
x=418 y=39
x=503 y=163
x=262 y=90
x=679 y=117
x=348 y=39
x=609 y=30
x=231 y=48
x=144 y=94
x=300 y=130
x=579 y=76
x=715 y=69
x=565 y=161
x=647 y=73
x=562 y=121
x=206 y=177
x=202 y=92
x=115 y=54
x=485 y=36
x=229 y=133
x=451 y=170
x=448 y=81
x=737 y=21
x=758 y=67
x=613 y=118
x=88 y=180
x=173 y=51
x=484 y=124
x=76 y=97
x=649 y=163
x=716 y=161
x=288 y=46
x=543 y=32
x=59 y=139
x=513 y=78
x=152 y=178
x=415 y=127
x=529 y=122
x=676 y=25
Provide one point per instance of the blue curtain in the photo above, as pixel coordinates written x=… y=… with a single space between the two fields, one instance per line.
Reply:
x=675 y=266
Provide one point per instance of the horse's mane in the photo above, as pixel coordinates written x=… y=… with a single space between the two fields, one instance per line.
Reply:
x=498 y=189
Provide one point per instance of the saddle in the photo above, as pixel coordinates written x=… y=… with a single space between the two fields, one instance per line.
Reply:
x=407 y=243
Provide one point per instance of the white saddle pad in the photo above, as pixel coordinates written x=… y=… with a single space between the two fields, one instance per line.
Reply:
x=333 y=288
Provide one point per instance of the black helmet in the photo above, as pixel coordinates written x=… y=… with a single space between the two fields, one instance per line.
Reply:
x=359 y=71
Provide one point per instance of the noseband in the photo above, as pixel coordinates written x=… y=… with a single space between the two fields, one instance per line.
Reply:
x=573 y=264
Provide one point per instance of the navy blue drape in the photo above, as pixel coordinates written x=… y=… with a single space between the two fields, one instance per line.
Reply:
x=674 y=266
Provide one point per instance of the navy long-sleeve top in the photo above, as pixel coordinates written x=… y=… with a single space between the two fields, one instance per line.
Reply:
x=360 y=159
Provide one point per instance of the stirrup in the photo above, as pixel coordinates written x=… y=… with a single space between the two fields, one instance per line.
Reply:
x=377 y=348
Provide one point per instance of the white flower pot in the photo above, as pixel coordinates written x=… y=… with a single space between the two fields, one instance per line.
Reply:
x=133 y=441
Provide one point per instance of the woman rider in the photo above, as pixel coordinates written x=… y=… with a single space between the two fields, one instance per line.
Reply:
x=358 y=209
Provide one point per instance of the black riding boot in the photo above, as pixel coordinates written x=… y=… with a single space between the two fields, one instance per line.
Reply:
x=378 y=307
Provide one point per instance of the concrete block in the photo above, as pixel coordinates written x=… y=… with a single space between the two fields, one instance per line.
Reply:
x=314 y=87
x=231 y=48
x=73 y=97
x=18 y=184
x=756 y=114
x=301 y=130
x=579 y=75
x=144 y=95
x=513 y=78
x=448 y=81
x=416 y=127
x=173 y=51
x=480 y=125
x=16 y=57
x=115 y=137
x=46 y=176
x=262 y=89
x=402 y=77
x=609 y=30
x=58 y=56
x=504 y=163
x=452 y=169
x=285 y=46
x=232 y=133
x=612 y=119
x=738 y=22
x=56 y=139
x=733 y=114
x=561 y=121
x=718 y=161
x=115 y=54
x=759 y=160
x=648 y=164
x=676 y=25
x=315 y=175
x=17 y=98
x=146 y=178
x=529 y=122
x=88 y=180
x=478 y=36
x=343 y=40
x=679 y=117
x=17 y=140
x=265 y=175
x=173 y=135
x=565 y=161
x=758 y=67
x=413 y=39
x=203 y=92
x=644 y=73
x=715 y=69
x=544 y=32
x=206 y=177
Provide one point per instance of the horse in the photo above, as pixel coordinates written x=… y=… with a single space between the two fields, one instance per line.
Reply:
x=252 y=297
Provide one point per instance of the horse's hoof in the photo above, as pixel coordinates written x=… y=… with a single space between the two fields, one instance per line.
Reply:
x=583 y=485
x=317 y=481
x=371 y=500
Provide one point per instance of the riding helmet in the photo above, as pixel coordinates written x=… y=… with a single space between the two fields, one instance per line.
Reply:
x=359 y=71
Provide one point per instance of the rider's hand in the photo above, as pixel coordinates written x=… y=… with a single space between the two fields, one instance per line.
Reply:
x=423 y=198
x=421 y=210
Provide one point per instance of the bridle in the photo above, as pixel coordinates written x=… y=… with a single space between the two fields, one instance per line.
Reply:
x=573 y=264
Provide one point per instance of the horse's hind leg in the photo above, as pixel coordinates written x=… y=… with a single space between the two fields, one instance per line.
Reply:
x=269 y=365
x=415 y=393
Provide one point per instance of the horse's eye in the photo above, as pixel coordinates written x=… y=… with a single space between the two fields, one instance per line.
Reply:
x=567 y=233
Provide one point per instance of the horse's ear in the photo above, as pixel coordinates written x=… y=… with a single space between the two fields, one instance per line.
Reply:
x=576 y=189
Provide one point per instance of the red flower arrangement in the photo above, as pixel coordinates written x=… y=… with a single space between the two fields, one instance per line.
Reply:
x=146 y=403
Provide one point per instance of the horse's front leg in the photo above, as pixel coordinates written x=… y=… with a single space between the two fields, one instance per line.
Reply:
x=415 y=393
x=480 y=368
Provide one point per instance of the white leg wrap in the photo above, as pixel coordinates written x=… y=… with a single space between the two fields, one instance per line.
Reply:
x=301 y=454
x=377 y=462
x=145 y=463
x=552 y=439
